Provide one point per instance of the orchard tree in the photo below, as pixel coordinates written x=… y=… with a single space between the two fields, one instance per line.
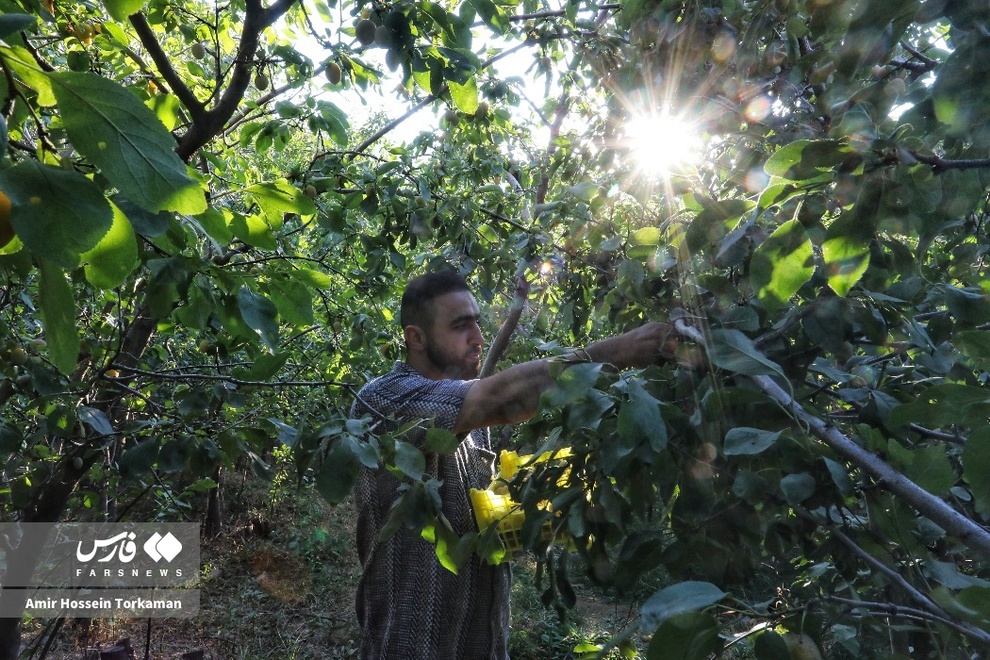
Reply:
x=205 y=232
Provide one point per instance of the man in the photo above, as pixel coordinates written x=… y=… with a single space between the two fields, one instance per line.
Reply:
x=408 y=605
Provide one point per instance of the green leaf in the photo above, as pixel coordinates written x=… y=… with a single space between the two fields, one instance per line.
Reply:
x=263 y=367
x=690 y=636
x=976 y=469
x=975 y=345
x=930 y=468
x=253 y=230
x=734 y=351
x=294 y=303
x=782 y=264
x=138 y=459
x=945 y=405
x=337 y=474
x=846 y=260
x=677 y=599
x=643 y=242
x=14 y=23
x=797 y=487
x=24 y=65
x=710 y=225
x=451 y=551
x=746 y=441
x=127 y=141
x=806 y=159
x=260 y=314
x=971 y=604
x=640 y=420
x=366 y=452
x=115 y=256
x=440 y=441
x=260 y=468
x=640 y=552
x=572 y=384
x=967 y=306
x=977 y=601
x=771 y=646
x=750 y=487
x=409 y=460
x=465 y=96
x=280 y=197
x=491 y=15
x=312 y=278
x=58 y=214
x=121 y=9
x=840 y=477
x=58 y=313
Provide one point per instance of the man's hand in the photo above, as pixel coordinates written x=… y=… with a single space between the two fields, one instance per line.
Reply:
x=648 y=344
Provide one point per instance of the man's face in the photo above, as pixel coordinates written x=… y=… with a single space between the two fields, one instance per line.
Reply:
x=454 y=341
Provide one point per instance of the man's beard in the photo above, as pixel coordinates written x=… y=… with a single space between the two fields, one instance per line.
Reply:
x=451 y=368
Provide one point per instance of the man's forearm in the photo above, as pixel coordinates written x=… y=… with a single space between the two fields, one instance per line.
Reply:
x=513 y=395
x=507 y=397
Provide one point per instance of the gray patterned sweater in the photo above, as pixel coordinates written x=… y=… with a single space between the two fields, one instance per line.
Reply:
x=408 y=605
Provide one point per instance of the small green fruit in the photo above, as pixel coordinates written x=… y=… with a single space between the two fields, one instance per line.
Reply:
x=383 y=36
x=310 y=191
x=261 y=81
x=895 y=87
x=198 y=50
x=333 y=73
x=18 y=357
x=365 y=32
x=77 y=463
x=78 y=60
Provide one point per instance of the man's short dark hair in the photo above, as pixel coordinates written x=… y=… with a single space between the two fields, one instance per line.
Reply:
x=416 y=308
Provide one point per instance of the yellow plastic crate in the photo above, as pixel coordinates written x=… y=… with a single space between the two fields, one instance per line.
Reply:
x=509 y=462
x=491 y=507
x=495 y=505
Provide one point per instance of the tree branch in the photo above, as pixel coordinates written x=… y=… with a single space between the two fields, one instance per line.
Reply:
x=256 y=19
x=553 y=13
x=165 y=69
x=390 y=126
x=940 y=164
x=899 y=611
x=974 y=536
x=233 y=381
x=921 y=599
x=501 y=341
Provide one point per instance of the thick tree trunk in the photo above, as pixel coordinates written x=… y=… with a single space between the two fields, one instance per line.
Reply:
x=214 y=518
x=51 y=500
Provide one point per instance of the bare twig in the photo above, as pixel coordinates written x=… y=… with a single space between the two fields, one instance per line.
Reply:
x=941 y=164
x=501 y=341
x=233 y=381
x=899 y=611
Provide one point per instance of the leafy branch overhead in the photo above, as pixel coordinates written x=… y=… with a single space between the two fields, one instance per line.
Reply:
x=208 y=212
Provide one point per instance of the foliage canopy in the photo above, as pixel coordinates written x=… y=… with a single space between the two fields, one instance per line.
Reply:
x=205 y=231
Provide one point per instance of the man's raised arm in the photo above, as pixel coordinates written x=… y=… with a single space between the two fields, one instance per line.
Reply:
x=512 y=395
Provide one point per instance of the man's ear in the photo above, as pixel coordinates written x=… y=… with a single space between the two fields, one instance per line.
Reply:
x=415 y=338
